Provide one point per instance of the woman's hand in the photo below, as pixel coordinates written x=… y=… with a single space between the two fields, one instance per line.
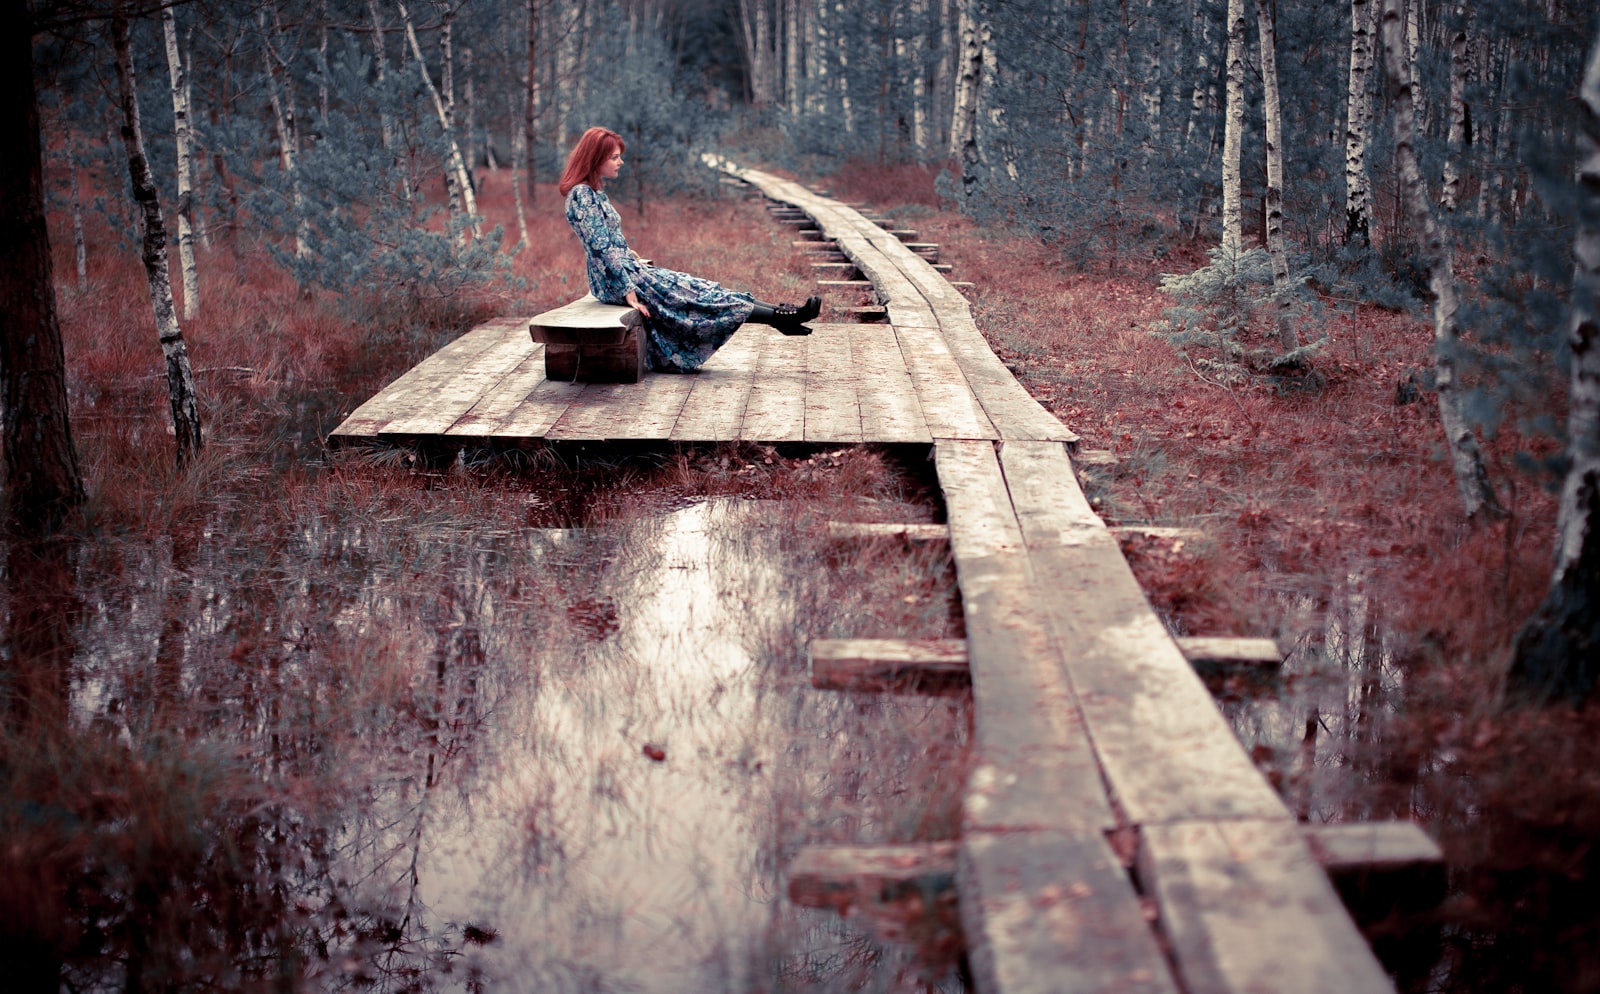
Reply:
x=633 y=302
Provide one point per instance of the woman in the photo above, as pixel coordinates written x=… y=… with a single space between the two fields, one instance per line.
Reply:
x=685 y=318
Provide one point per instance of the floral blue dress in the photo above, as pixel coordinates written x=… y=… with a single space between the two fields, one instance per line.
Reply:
x=690 y=318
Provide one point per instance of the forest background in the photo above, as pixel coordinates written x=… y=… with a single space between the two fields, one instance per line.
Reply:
x=1296 y=207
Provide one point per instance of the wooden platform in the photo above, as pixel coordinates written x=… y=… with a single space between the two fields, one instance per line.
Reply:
x=1115 y=835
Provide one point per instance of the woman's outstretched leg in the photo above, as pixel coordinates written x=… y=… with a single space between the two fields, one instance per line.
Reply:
x=787 y=318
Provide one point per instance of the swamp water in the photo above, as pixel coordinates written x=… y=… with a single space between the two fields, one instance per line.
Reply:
x=410 y=753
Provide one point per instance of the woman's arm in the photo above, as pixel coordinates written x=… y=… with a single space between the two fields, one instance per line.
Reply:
x=602 y=241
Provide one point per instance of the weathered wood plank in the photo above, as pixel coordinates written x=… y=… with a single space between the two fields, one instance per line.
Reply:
x=1383 y=871
x=1049 y=912
x=920 y=666
x=947 y=404
x=607 y=412
x=1009 y=406
x=539 y=410
x=1032 y=765
x=1140 y=696
x=890 y=410
x=1225 y=651
x=721 y=389
x=868 y=530
x=400 y=397
x=844 y=877
x=1246 y=908
x=457 y=389
x=494 y=407
x=776 y=410
x=833 y=410
x=584 y=321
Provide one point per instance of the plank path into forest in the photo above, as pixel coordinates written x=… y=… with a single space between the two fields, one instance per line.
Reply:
x=1115 y=835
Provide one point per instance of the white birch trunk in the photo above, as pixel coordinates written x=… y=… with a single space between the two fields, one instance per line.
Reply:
x=181 y=395
x=1200 y=98
x=380 y=66
x=1358 y=122
x=1455 y=138
x=322 y=63
x=531 y=101
x=519 y=165
x=1414 y=60
x=180 y=127
x=818 y=52
x=1288 y=340
x=1555 y=651
x=288 y=141
x=757 y=34
x=792 y=35
x=457 y=168
x=79 y=255
x=846 y=111
x=1233 y=134
x=969 y=74
x=1472 y=479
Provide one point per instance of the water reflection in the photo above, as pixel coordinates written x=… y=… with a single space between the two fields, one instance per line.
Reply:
x=430 y=752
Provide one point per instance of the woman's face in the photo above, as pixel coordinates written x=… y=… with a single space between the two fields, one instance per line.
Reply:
x=611 y=164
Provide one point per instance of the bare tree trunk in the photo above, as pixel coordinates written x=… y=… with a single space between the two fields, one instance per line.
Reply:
x=1358 y=122
x=530 y=109
x=842 y=77
x=282 y=100
x=1288 y=340
x=457 y=165
x=1556 y=652
x=185 y=211
x=1233 y=134
x=42 y=478
x=791 y=55
x=1460 y=66
x=180 y=377
x=1472 y=479
x=380 y=67
x=969 y=73
x=80 y=255
x=756 y=33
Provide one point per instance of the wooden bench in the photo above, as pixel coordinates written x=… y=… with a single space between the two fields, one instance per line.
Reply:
x=590 y=342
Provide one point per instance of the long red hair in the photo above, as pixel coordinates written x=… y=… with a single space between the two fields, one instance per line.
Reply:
x=583 y=165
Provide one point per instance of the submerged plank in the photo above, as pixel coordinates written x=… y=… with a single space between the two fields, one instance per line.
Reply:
x=922 y=666
x=845 y=877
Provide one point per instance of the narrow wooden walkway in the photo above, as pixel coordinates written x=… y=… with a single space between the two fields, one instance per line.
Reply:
x=1090 y=725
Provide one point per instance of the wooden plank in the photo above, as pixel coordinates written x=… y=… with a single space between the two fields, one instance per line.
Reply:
x=1384 y=871
x=721 y=389
x=1219 y=651
x=833 y=413
x=1245 y=907
x=1009 y=406
x=918 y=666
x=539 y=410
x=494 y=407
x=401 y=396
x=645 y=411
x=456 y=389
x=1140 y=696
x=947 y=404
x=846 y=877
x=890 y=410
x=584 y=321
x=776 y=410
x=1032 y=764
x=868 y=530
x=1051 y=912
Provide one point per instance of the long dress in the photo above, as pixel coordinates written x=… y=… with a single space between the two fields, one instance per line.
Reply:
x=690 y=317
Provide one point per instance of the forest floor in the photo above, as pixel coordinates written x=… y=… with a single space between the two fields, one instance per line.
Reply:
x=1328 y=515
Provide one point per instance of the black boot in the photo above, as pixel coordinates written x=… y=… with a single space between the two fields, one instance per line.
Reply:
x=787 y=318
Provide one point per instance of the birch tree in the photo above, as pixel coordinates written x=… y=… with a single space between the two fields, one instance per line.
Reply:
x=1358 y=122
x=1556 y=652
x=42 y=478
x=283 y=113
x=1472 y=479
x=1455 y=139
x=456 y=165
x=1233 y=135
x=1267 y=29
x=180 y=377
x=180 y=126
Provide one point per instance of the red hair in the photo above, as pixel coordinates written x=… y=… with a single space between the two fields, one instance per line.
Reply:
x=583 y=165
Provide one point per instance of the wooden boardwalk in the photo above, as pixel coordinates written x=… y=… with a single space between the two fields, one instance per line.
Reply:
x=1090 y=726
